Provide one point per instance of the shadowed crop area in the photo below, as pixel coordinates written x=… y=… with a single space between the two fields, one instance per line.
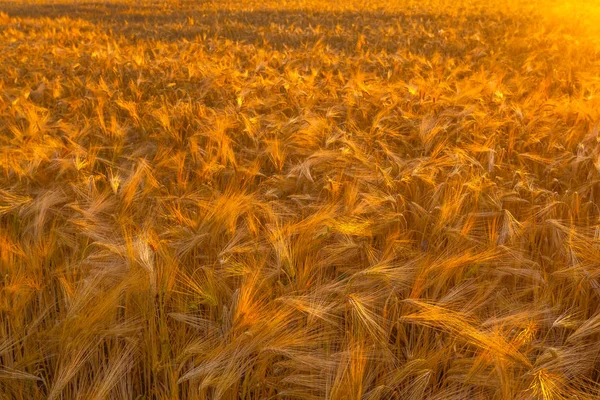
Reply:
x=300 y=199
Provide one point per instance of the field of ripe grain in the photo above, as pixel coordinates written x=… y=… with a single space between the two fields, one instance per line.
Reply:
x=304 y=199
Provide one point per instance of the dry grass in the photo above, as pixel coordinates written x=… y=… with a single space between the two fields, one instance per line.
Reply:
x=300 y=200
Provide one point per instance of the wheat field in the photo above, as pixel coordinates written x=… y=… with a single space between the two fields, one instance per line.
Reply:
x=302 y=199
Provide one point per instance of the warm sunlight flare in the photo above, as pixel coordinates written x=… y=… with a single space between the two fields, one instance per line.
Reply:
x=301 y=199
